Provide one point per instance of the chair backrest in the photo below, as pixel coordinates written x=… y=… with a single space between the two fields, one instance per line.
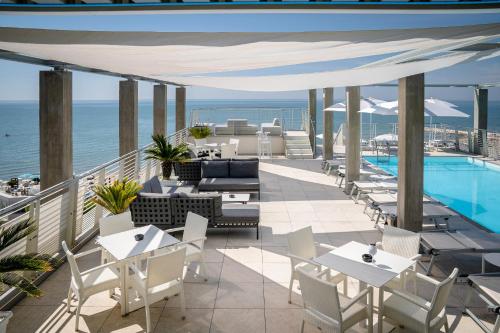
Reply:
x=301 y=244
x=196 y=227
x=200 y=142
x=115 y=223
x=165 y=267
x=75 y=272
x=400 y=241
x=320 y=297
x=441 y=294
x=228 y=150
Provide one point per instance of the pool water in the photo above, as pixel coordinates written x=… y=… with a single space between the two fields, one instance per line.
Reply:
x=467 y=185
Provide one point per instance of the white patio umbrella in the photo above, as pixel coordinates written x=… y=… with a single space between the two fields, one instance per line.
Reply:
x=432 y=108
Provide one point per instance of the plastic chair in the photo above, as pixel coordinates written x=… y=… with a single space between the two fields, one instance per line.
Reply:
x=111 y=225
x=330 y=311
x=301 y=250
x=163 y=278
x=193 y=239
x=89 y=282
x=233 y=141
x=403 y=243
x=417 y=313
x=228 y=151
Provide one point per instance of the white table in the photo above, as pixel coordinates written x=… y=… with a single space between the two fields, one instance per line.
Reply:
x=124 y=248
x=236 y=197
x=347 y=259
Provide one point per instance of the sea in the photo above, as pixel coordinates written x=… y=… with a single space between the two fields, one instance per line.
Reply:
x=95 y=126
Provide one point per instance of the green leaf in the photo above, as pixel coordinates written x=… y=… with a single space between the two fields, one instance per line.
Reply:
x=18 y=281
x=16 y=232
x=27 y=262
x=118 y=196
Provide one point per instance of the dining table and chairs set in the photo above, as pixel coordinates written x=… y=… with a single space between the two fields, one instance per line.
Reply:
x=146 y=264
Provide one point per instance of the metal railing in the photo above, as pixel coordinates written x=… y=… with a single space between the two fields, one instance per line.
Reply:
x=67 y=212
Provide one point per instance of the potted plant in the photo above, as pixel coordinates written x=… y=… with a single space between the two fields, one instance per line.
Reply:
x=116 y=198
x=12 y=267
x=167 y=154
x=200 y=132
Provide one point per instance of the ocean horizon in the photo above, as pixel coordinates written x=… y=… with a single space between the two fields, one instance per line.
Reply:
x=95 y=126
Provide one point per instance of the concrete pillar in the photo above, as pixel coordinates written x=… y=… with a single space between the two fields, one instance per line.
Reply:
x=56 y=127
x=312 y=119
x=411 y=152
x=327 y=124
x=480 y=116
x=129 y=110
x=159 y=109
x=180 y=108
x=352 y=148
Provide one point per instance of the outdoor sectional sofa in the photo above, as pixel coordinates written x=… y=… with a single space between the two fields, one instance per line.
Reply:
x=167 y=207
x=236 y=175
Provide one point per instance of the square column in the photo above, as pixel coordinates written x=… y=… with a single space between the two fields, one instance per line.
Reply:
x=411 y=152
x=180 y=108
x=327 y=124
x=159 y=109
x=129 y=111
x=56 y=127
x=480 y=116
x=312 y=119
x=352 y=147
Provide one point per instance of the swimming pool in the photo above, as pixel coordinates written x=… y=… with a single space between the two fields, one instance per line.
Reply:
x=469 y=186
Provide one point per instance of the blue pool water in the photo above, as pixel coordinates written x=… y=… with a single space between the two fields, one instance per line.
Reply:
x=469 y=186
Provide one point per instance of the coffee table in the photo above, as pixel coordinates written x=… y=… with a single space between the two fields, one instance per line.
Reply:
x=236 y=197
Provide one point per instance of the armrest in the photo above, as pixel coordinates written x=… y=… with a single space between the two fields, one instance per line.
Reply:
x=84 y=253
x=427 y=279
x=379 y=245
x=292 y=256
x=356 y=298
x=417 y=301
x=109 y=264
x=174 y=230
x=326 y=246
x=136 y=271
x=416 y=257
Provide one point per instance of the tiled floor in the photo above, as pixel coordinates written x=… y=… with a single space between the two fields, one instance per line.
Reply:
x=247 y=286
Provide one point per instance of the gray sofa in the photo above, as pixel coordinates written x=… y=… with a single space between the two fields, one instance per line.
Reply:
x=236 y=127
x=168 y=207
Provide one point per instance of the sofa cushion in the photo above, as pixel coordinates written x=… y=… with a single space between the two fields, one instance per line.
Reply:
x=158 y=195
x=208 y=195
x=152 y=186
x=214 y=169
x=244 y=169
x=239 y=214
x=229 y=184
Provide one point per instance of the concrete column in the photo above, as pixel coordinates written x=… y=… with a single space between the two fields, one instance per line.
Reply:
x=159 y=109
x=480 y=115
x=312 y=119
x=327 y=124
x=129 y=110
x=56 y=127
x=411 y=152
x=352 y=147
x=180 y=108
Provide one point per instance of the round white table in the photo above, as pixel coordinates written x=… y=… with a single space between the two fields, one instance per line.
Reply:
x=492 y=258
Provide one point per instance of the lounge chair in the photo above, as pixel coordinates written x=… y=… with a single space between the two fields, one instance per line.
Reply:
x=340 y=173
x=365 y=186
x=374 y=200
x=432 y=211
x=487 y=287
x=462 y=241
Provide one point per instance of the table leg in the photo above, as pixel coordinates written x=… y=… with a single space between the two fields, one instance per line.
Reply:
x=362 y=286
x=380 y=309
x=124 y=287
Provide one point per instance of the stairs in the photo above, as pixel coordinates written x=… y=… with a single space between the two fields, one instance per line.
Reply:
x=297 y=145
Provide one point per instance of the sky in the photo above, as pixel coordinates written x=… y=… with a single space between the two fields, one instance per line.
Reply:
x=19 y=81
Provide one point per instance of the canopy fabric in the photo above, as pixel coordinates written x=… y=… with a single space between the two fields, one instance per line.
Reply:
x=366 y=104
x=432 y=108
x=187 y=58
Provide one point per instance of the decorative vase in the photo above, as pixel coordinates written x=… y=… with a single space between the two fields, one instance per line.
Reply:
x=372 y=249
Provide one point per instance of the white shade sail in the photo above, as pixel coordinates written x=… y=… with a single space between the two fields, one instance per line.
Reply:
x=432 y=108
x=189 y=58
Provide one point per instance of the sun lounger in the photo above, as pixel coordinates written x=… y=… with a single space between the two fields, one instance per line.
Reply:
x=462 y=241
x=432 y=211
x=374 y=200
x=332 y=165
x=366 y=186
x=488 y=288
x=340 y=172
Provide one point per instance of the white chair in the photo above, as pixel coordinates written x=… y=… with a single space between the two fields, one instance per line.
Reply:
x=417 y=313
x=228 y=150
x=111 y=225
x=89 y=282
x=301 y=250
x=330 y=311
x=200 y=146
x=193 y=238
x=403 y=243
x=233 y=141
x=163 y=278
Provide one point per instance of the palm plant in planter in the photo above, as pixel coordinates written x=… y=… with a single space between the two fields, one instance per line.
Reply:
x=166 y=154
x=117 y=196
x=200 y=132
x=12 y=267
